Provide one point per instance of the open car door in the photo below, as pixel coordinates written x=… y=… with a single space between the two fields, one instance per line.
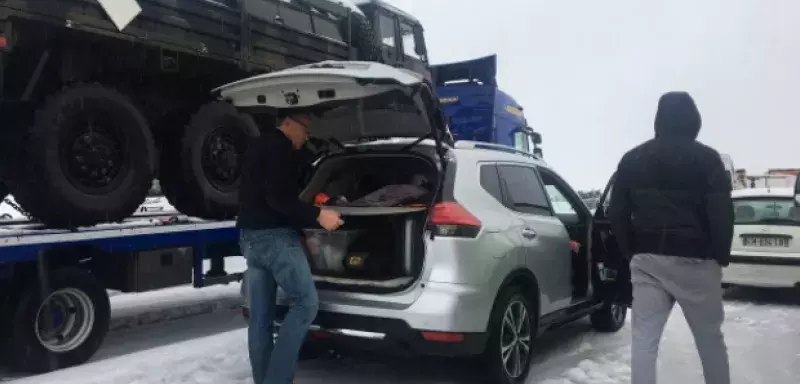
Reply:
x=613 y=281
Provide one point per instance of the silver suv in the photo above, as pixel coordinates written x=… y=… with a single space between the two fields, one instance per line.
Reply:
x=499 y=250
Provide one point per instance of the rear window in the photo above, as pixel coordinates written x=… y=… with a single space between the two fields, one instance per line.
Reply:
x=386 y=115
x=766 y=211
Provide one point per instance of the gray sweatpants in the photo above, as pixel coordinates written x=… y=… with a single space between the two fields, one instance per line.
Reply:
x=658 y=282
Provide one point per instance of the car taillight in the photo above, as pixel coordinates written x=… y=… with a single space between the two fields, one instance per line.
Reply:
x=452 y=219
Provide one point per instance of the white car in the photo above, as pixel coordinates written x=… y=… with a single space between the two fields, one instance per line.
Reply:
x=7 y=211
x=766 y=240
x=155 y=204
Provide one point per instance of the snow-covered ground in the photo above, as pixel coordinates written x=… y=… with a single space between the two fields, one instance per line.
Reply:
x=761 y=331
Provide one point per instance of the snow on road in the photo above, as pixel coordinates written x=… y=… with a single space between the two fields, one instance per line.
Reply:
x=760 y=328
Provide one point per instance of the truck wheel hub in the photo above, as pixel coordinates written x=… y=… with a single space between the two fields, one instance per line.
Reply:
x=71 y=320
x=221 y=157
x=94 y=160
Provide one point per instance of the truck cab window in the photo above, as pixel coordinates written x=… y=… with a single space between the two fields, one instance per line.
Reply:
x=386 y=30
x=409 y=41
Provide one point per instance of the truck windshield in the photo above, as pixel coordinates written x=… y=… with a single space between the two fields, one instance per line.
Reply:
x=766 y=211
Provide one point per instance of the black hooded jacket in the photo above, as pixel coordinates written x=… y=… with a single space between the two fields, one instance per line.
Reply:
x=672 y=195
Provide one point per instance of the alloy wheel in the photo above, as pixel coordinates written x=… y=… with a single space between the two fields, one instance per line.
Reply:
x=515 y=339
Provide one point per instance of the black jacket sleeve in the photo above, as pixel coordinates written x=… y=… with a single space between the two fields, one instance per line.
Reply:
x=719 y=210
x=620 y=209
x=281 y=175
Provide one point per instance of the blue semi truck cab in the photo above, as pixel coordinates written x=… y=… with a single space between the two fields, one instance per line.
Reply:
x=478 y=110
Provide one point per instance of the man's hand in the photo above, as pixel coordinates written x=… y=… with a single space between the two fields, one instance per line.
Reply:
x=329 y=219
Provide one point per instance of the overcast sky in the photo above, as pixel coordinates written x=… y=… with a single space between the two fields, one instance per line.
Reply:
x=589 y=72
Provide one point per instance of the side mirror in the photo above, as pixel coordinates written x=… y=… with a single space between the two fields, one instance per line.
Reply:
x=538 y=152
x=537 y=138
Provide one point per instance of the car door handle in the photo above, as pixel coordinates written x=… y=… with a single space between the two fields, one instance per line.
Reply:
x=528 y=233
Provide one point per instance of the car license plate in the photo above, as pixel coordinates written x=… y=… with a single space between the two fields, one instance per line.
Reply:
x=765 y=241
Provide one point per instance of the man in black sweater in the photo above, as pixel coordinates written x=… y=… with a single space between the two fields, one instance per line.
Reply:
x=672 y=214
x=270 y=217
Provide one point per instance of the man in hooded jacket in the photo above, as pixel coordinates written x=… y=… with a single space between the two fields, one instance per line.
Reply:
x=672 y=214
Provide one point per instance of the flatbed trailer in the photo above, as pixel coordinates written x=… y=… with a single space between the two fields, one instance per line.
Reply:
x=66 y=274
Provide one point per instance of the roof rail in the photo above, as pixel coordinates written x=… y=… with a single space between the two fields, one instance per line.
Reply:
x=470 y=144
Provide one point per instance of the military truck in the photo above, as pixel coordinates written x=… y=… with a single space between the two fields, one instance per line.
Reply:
x=95 y=106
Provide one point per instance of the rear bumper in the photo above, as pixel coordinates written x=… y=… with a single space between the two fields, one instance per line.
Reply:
x=392 y=336
x=763 y=271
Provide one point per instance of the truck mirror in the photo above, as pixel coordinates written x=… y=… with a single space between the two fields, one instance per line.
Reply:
x=537 y=138
x=538 y=152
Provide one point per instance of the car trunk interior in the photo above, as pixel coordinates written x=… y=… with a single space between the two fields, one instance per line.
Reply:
x=383 y=198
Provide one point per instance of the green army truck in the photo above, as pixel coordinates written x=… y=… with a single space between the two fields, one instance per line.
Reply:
x=99 y=97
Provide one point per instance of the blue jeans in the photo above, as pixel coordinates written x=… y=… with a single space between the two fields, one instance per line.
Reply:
x=276 y=258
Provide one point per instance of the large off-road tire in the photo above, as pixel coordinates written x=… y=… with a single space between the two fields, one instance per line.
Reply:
x=610 y=318
x=201 y=165
x=80 y=317
x=363 y=37
x=519 y=336
x=88 y=158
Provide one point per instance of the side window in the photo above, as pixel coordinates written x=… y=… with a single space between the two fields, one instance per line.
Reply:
x=386 y=29
x=562 y=198
x=409 y=45
x=490 y=181
x=522 y=141
x=561 y=206
x=522 y=190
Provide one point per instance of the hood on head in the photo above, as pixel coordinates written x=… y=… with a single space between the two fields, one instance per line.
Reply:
x=677 y=116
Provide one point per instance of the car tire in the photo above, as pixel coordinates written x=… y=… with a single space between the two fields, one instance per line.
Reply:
x=88 y=158
x=363 y=37
x=75 y=293
x=609 y=318
x=201 y=164
x=500 y=336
